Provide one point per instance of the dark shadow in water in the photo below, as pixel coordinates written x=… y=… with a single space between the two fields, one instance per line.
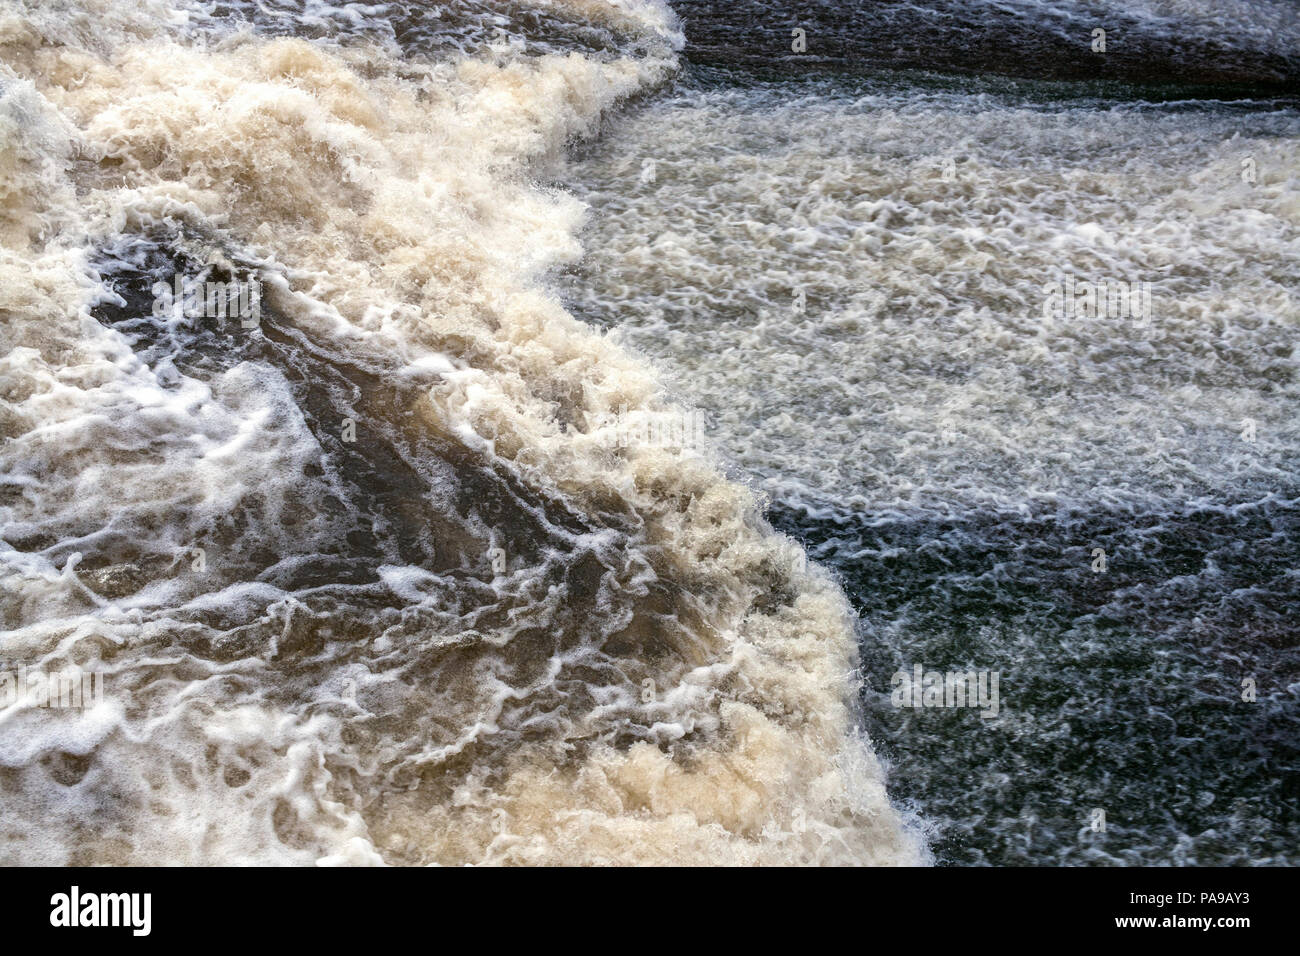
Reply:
x=1120 y=689
x=385 y=487
x=1163 y=58
x=420 y=29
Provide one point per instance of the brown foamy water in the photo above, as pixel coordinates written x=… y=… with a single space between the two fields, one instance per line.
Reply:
x=372 y=578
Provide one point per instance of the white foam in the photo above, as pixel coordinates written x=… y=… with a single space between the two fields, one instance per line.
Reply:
x=389 y=206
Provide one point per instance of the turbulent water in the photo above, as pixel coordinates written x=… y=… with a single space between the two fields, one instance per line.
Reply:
x=378 y=576
x=844 y=259
x=373 y=579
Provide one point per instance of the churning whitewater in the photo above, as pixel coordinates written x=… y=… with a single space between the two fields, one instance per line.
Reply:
x=861 y=260
x=368 y=572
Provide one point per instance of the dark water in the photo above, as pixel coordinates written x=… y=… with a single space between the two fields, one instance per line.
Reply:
x=1121 y=689
x=1018 y=38
x=413 y=28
